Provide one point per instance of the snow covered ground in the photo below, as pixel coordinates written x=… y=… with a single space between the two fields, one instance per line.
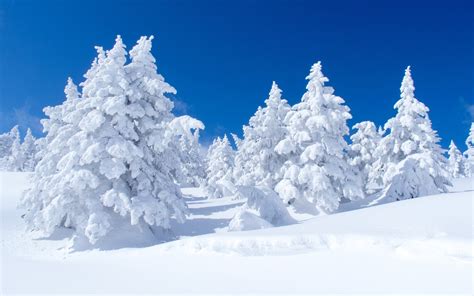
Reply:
x=417 y=246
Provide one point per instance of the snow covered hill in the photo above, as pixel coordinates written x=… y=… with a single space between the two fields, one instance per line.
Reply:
x=422 y=245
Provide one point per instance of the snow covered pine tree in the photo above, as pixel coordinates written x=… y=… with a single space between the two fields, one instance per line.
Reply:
x=469 y=153
x=409 y=159
x=220 y=163
x=256 y=162
x=362 y=149
x=113 y=161
x=455 y=161
x=317 y=170
x=7 y=141
x=29 y=150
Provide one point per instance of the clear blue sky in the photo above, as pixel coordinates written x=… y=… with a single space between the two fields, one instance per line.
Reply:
x=223 y=55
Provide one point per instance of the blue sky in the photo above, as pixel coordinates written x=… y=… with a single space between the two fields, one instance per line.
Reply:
x=222 y=56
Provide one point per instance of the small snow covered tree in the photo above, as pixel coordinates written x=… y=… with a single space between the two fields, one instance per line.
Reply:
x=114 y=165
x=16 y=158
x=317 y=170
x=184 y=136
x=411 y=136
x=256 y=162
x=6 y=143
x=220 y=163
x=362 y=149
x=469 y=153
x=29 y=150
x=455 y=161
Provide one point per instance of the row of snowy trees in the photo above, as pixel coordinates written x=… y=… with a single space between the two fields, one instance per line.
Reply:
x=15 y=155
x=462 y=164
x=301 y=152
x=114 y=154
x=113 y=151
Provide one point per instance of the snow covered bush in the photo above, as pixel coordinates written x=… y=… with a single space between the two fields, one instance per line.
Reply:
x=256 y=162
x=469 y=153
x=108 y=158
x=317 y=170
x=362 y=149
x=410 y=162
x=455 y=161
x=262 y=209
x=220 y=163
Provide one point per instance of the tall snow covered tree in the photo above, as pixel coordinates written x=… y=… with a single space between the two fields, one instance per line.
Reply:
x=362 y=149
x=256 y=162
x=115 y=164
x=469 y=153
x=220 y=163
x=317 y=170
x=455 y=161
x=410 y=162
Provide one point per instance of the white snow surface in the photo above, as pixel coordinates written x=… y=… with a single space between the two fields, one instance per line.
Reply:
x=421 y=245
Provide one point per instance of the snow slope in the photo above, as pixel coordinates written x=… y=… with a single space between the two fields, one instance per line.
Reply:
x=422 y=245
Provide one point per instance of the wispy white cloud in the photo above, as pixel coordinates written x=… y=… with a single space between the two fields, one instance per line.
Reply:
x=469 y=107
x=23 y=117
x=180 y=107
x=470 y=111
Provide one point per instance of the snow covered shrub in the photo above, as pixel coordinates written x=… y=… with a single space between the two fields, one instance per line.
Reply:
x=262 y=209
x=362 y=149
x=317 y=170
x=108 y=158
x=469 y=153
x=410 y=134
x=256 y=162
x=455 y=161
x=220 y=163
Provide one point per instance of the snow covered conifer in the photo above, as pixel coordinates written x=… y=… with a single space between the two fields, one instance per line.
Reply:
x=469 y=153
x=410 y=151
x=184 y=136
x=256 y=162
x=362 y=149
x=29 y=150
x=16 y=158
x=6 y=143
x=114 y=167
x=455 y=161
x=317 y=170
x=220 y=163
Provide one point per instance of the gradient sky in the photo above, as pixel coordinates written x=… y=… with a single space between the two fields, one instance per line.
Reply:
x=222 y=56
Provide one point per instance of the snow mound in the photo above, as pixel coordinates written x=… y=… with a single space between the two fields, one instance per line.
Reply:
x=246 y=220
x=262 y=209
